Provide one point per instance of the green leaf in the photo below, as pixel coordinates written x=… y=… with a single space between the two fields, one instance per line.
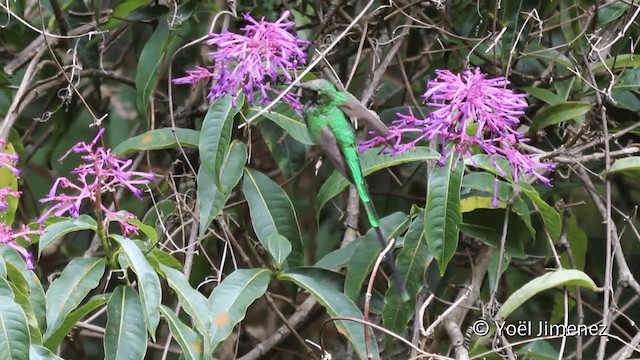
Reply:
x=557 y=113
x=486 y=182
x=622 y=61
x=412 y=263
x=279 y=248
x=210 y=198
x=628 y=166
x=541 y=283
x=442 y=212
x=272 y=212
x=161 y=45
x=215 y=135
x=229 y=301
x=370 y=162
x=190 y=342
x=285 y=117
x=121 y=10
x=193 y=302
x=37 y=352
x=368 y=250
x=326 y=287
x=148 y=283
x=550 y=216
x=14 y=331
x=60 y=229
x=159 y=139
x=125 y=336
x=164 y=258
x=55 y=338
x=547 y=96
x=22 y=296
x=66 y=292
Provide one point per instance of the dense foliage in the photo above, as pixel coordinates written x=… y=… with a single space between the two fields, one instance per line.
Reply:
x=161 y=197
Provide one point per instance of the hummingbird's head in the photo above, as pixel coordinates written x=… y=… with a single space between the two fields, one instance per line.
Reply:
x=316 y=92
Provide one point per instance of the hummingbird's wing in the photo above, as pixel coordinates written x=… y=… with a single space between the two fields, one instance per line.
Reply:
x=332 y=151
x=354 y=108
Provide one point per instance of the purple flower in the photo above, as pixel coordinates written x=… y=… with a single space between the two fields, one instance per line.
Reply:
x=9 y=161
x=263 y=54
x=471 y=112
x=100 y=173
x=9 y=236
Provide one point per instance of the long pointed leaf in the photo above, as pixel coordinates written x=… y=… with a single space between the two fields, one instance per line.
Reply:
x=272 y=212
x=148 y=283
x=215 y=135
x=442 y=213
x=125 y=336
x=66 y=292
x=229 y=301
x=326 y=287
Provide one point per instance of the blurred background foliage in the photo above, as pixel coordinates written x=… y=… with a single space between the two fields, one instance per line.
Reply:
x=574 y=59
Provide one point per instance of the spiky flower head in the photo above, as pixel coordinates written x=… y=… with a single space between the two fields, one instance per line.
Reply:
x=102 y=172
x=265 y=53
x=471 y=112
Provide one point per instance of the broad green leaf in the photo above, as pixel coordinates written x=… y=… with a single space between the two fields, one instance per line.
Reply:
x=625 y=99
x=549 y=97
x=38 y=352
x=160 y=46
x=60 y=229
x=56 y=337
x=125 y=336
x=121 y=10
x=148 y=283
x=412 y=263
x=11 y=256
x=550 y=216
x=193 y=302
x=190 y=342
x=210 y=198
x=326 y=287
x=14 y=331
x=146 y=230
x=66 y=292
x=486 y=182
x=541 y=283
x=340 y=257
x=486 y=225
x=215 y=135
x=9 y=180
x=21 y=295
x=229 y=301
x=557 y=113
x=371 y=161
x=629 y=165
x=5 y=288
x=285 y=117
x=164 y=258
x=37 y=299
x=442 y=212
x=368 y=250
x=622 y=61
x=159 y=139
x=272 y=212
x=279 y=248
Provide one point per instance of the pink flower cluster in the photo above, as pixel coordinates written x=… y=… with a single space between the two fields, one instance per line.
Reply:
x=100 y=173
x=471 y=112
x=263 y=54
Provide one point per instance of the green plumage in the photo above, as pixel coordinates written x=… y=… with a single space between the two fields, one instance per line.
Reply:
x=326 y=113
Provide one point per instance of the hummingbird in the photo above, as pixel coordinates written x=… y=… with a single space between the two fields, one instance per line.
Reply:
x=326 y=113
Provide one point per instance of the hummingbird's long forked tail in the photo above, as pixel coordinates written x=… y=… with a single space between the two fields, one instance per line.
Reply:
x=395 y=274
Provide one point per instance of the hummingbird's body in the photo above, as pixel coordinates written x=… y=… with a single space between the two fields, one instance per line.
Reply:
x=329 y=126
